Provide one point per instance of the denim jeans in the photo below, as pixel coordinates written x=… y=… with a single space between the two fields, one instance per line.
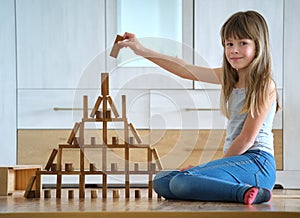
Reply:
x=225 y=179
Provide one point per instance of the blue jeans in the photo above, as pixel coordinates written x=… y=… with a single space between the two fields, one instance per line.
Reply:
x=225 y=179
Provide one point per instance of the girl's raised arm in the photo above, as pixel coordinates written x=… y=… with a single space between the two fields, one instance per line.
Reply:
x=174 y=65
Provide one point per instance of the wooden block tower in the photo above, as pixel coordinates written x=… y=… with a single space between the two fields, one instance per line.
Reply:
x=77 y=140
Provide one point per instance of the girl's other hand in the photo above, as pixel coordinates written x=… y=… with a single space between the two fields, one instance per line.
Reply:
x=186 y=168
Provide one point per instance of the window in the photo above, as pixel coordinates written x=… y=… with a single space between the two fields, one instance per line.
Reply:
x=157 y=23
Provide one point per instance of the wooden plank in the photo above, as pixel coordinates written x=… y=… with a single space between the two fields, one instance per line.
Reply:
x=157 y=158
x=113 y=107
x=85 y=107
x=59 y=159
x=135 y=133
x=104 y=85
x=104 y=186
x=29 y=186
x=116 y=48
x=38 y=184
x=4 y=181
x=150 y=175
x=82 y=175
x=73 y=133
x=58 y=185
x=124 y=107
x=96 y=106
x=51 y=159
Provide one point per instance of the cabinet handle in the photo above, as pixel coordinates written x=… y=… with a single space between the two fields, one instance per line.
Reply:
x=202 y=109
x=68 y=109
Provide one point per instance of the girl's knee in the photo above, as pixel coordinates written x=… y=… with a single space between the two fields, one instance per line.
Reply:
x=180 y=186
x=161 y=183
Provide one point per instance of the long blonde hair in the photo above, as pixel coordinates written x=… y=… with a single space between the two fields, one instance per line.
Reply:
x=248 y=25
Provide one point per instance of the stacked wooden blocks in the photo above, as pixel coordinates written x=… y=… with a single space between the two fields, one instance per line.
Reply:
x=76 y=140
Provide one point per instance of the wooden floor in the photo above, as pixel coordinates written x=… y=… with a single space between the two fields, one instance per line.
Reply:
x=285 y=203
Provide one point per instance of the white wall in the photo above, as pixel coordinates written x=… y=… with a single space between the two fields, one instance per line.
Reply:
x=7 y=83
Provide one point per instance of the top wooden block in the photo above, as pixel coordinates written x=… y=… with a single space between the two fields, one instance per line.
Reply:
x=116 y=48
x=104 y=84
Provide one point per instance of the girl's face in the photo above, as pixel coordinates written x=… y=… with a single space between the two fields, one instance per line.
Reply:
x=240 y=52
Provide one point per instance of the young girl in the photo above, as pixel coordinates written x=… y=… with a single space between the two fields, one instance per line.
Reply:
x=247 y=171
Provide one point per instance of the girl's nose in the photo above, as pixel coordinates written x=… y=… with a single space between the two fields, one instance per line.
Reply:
x=234 y=50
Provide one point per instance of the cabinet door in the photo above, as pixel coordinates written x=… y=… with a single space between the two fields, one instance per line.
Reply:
x=57 y=39
x=209 y=18
x=7 y=82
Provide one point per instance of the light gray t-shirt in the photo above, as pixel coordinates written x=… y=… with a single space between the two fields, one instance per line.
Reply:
x=264 y=139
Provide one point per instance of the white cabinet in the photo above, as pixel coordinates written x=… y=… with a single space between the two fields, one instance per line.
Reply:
x=8 y=78
x=60 y=52
x=57 y=39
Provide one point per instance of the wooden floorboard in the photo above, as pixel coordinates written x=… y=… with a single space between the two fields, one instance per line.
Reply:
x=285 y=203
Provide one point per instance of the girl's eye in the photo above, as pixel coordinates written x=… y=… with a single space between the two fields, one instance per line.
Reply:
x=228 y=44
x=243 y=43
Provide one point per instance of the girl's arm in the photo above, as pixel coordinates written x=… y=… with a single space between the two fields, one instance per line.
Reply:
x=174 y=65
x=251 y=128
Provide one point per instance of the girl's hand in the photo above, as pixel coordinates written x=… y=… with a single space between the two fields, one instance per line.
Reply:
x=186 y=168
x=133 y=43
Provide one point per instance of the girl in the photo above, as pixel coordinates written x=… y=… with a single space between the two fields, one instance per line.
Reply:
x=247 y=171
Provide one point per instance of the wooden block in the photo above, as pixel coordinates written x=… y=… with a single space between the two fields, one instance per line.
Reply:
x=47 y=193
x=112 y=106
x=93 y=167
x=51 y=159
x=104 y=186
x=114 y=166
x=153 y=167
x=124 y=106
x=71 y=194
x=85 y=107
x=99 y=115
x=31 y=194
x=53 y=167
x=131 y=140
x=73 y=133
x=81 y=186
x=115 y=140
x=104 y=84
x=96 y=106
x=58 y=185
x=137 y=193
x=93 y=140
x=136 y=167
x=157 y=159
x=29 y=186
x=116 y=48
x=76 y=141
x=127 y=186
x=94 y=193
x=116 y=193
x=68 y=167
x=108 y=114
x=135 y=133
